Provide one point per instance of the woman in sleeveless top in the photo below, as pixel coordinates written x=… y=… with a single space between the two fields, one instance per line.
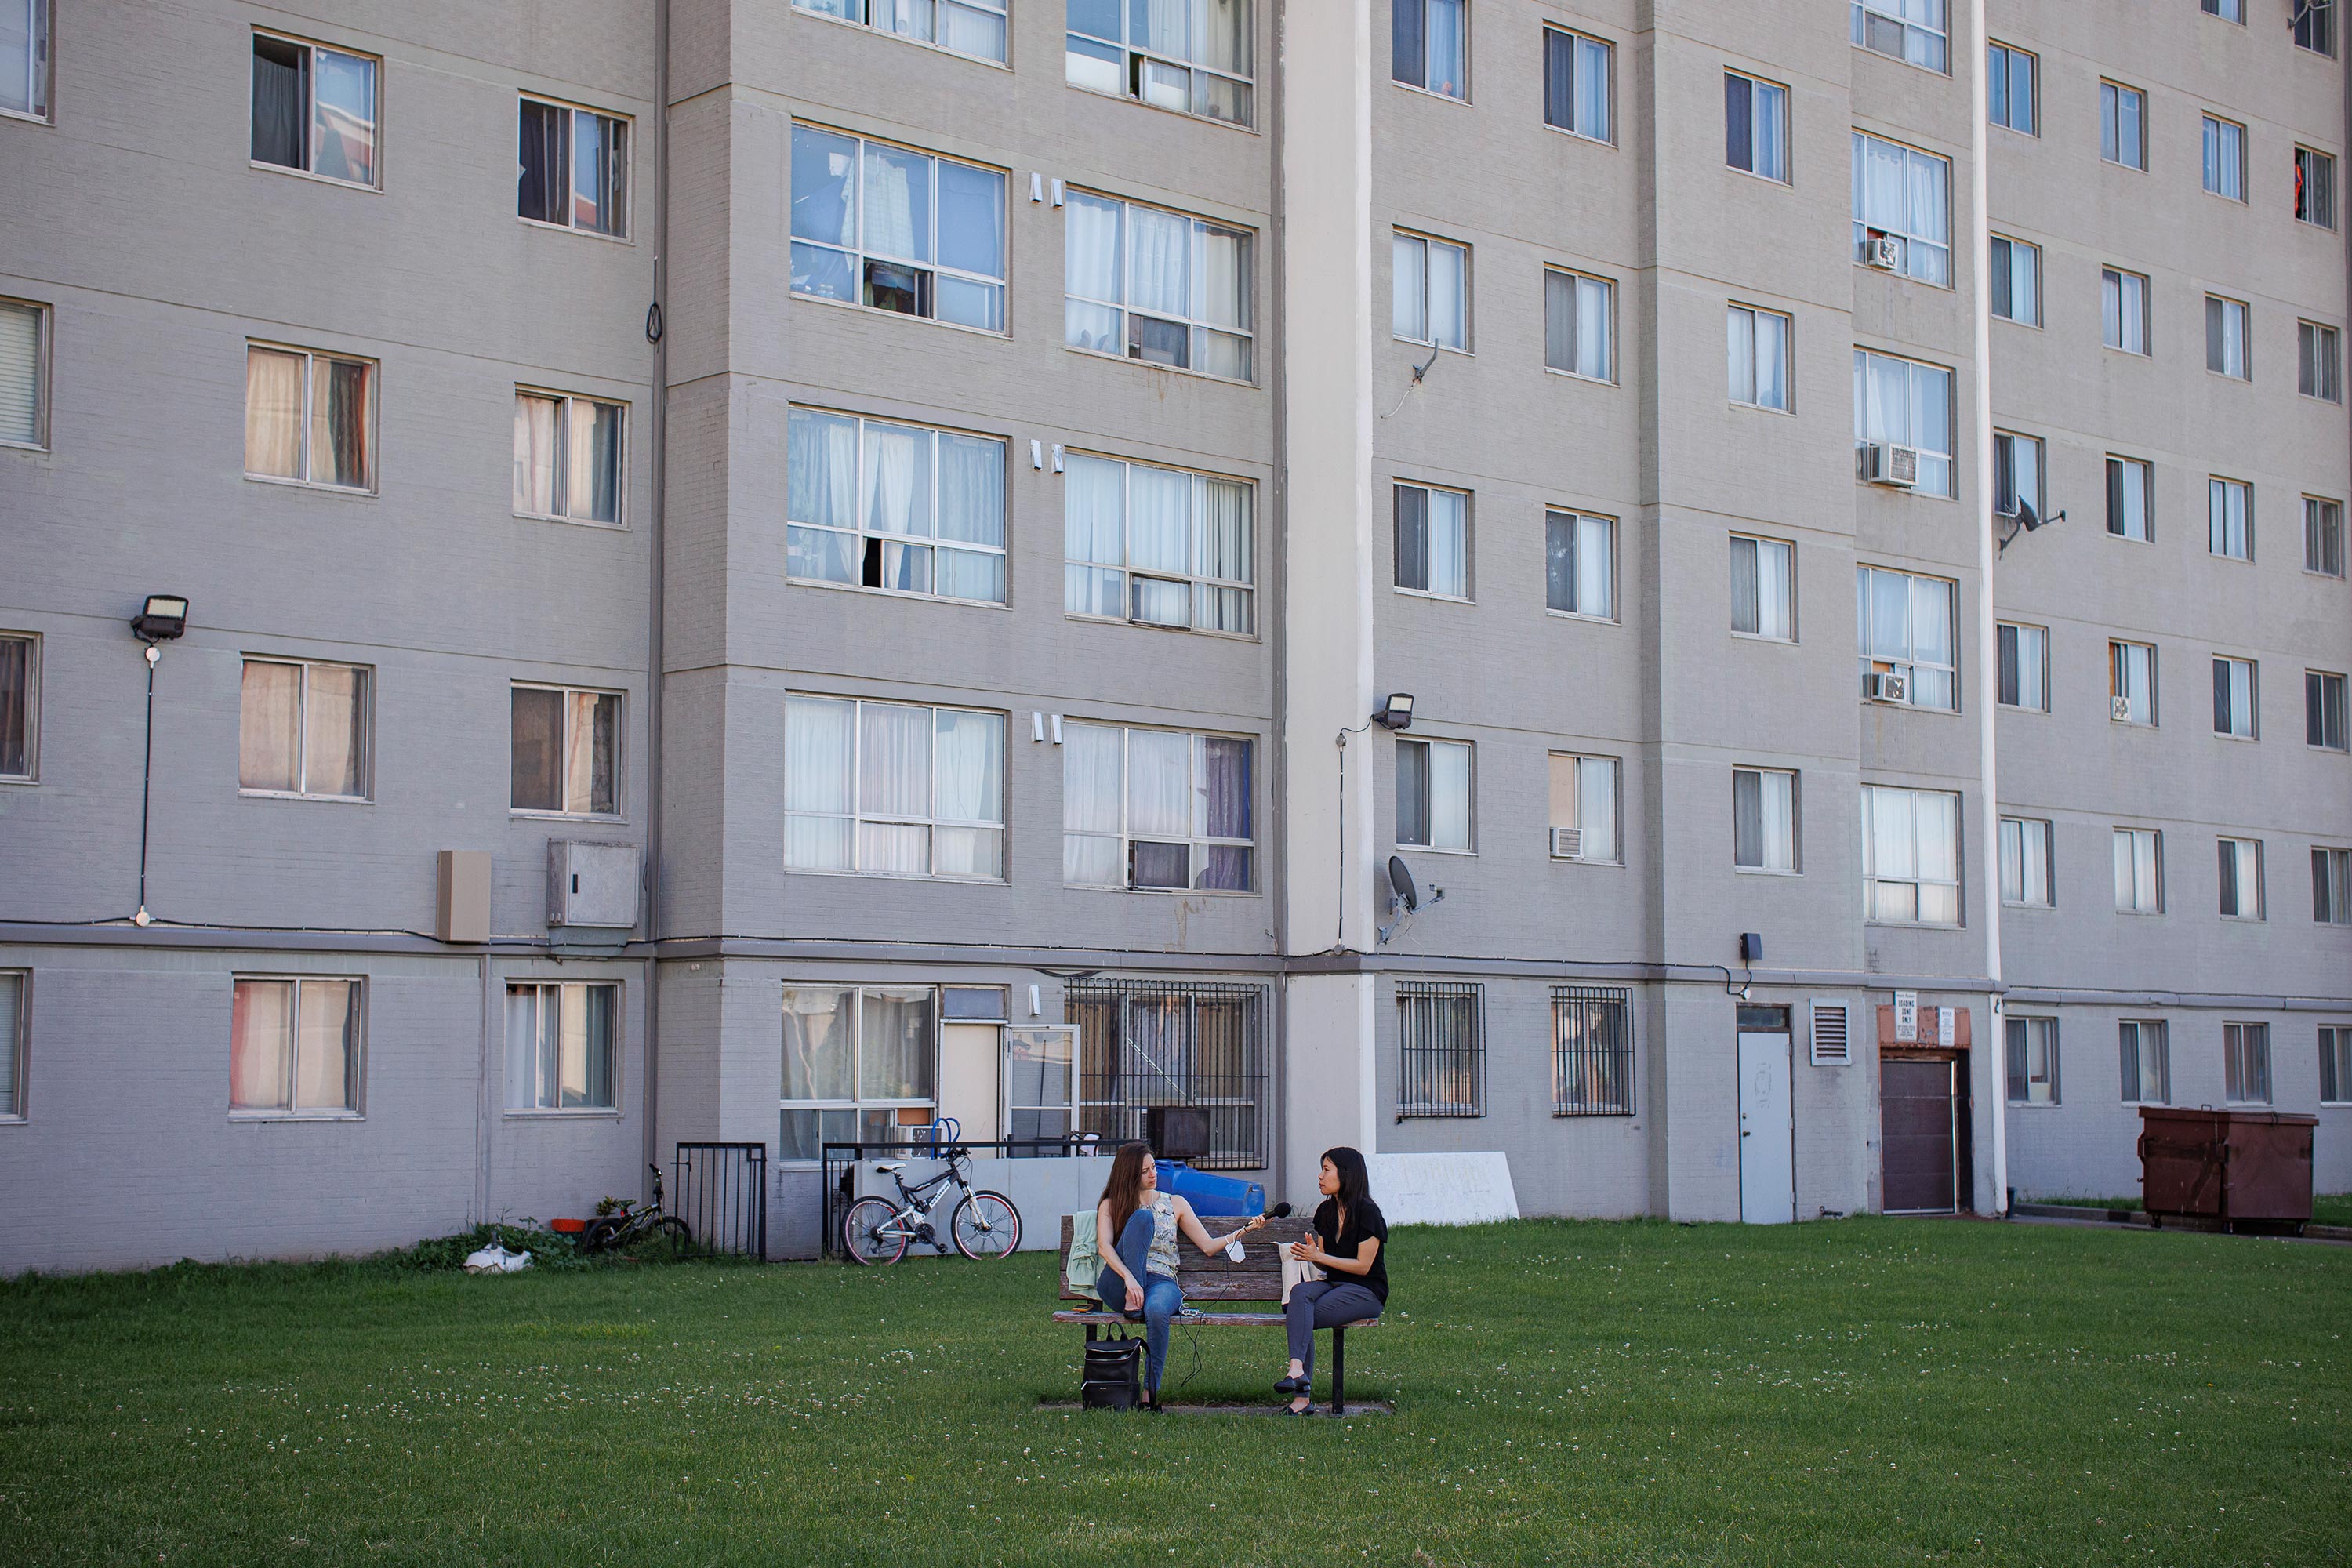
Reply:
x=1136 y=1225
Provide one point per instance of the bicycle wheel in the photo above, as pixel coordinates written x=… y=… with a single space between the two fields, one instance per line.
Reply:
x=871 y=1233
x=598 y=1236
x=668 y=1239
x=986 y=1225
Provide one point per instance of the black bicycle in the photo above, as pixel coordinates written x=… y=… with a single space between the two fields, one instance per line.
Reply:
x=631 y=1226
x=983 y=1224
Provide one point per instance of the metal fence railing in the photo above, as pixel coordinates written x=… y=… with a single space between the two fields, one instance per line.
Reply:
x=720 y=1190
x=1441 y=1049
x=1156 y=1043
x=838 y=1188
x=1591 y=1050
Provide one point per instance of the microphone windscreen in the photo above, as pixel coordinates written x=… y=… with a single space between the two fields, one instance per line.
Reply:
x=1279 y=1211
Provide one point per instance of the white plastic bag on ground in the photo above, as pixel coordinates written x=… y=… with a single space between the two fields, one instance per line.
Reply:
x=496 y=1260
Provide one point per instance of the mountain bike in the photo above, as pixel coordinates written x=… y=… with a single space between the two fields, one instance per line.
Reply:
x=631 y=1223
x=982 y=1224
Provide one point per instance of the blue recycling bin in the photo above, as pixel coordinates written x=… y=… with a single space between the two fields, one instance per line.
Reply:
x=1212 y=1195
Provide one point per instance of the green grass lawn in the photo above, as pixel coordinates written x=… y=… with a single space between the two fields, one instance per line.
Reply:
x=2326 y=1208
x=1858 y=1392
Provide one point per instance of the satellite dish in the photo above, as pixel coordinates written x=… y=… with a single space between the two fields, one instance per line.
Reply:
x=2027 y=516
x=1400 y=884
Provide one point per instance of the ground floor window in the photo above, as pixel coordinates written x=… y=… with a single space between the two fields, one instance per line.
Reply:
x=2246 y=1063
x=1591 y=1050
x=2032 y=1061
x=294 y=1047
x=860 y=1061
x=2335 y=1063
x=2146 y=1050
x=1147 y=1043
x=559 y=1053
x=12 y=1046
x=1441 y=1049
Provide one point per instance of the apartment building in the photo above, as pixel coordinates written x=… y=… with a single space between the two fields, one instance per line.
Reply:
x=930 y=557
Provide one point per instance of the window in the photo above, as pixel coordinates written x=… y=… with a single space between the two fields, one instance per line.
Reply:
x=1591 y=1050
x=2025 y=879
x=2315 y=187
x=2140 y=871
x=1760 y=357
x=1907 y=630
x=12 y=1046
x=1155 y=810
x=973 y=27
x=2233 y=698
x=2131 y=682
x=1584 y=796
x=1432 y=795
x=1429 y=45
x=2131 y=491
x=1912 y=30
x=1576 y=84
x=1581 y=565
x=2123 y=311
x=575 y=169
x=2230 y=518
x=2147 y=1053
x=2323 y=536
x=567 y=457
x=2246 y=1063
x=1190 y=56
x=1160 y=547
x=1900 y=402
x=1431 y=293
x=2123 y=112
x=2017 y=473
x=302 y=729
x=2032 y=1061
x=2009 y=88
x=294 y=1048
x=1763 y=819
x=897 y=230
x=2334 y=1064
x=891 y=789
x=2024 y=667
x=2323 y=709
x=2226 y=337
x=20 y=708
x=309 y=417
x=1441 y=1049
x=1157 y=286
x=2225 y=158
x=2229 y=10
x=2331 y=887
x=1910 y=856
x=1756 y=126
x=23 y=404
x=25 y=59
x=2319 y=362
x=559 y=1053
x=1040 y=1082
x=1579 y=333
x=1147 y=1043
x=1433 y=541
x=1764 y=588
x=902 y=508
x=314 y=110
x=2016 y=281
x=2242 y=878
x=566 y=751
x=859 y=1062
x=2315 y=27
x=1903 y=193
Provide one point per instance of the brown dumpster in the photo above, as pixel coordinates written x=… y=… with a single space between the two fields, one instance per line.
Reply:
x=2226 y=1166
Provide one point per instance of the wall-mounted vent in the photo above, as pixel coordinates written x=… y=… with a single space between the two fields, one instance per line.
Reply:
x=1567 y=844
x=1831 y=1048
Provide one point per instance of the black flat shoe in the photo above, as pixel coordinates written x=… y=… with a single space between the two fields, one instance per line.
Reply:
x=1290 y=1410
x=1291 y=1386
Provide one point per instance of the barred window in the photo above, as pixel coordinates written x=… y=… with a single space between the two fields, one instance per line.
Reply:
x=1174 y=1043
x=1442 y=1046
x=1591 y=1050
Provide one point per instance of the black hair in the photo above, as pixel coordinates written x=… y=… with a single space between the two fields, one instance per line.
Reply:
x=1355 y=1182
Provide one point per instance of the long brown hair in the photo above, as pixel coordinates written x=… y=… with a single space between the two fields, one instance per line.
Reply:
x=1124 y=1190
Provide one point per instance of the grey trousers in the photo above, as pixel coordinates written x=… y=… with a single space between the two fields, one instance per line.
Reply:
x=1323 y=1304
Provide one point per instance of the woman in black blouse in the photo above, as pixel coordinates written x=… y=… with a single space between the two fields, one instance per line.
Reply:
x=1349 y=1237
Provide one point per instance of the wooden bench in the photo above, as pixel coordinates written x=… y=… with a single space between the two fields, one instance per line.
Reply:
x=1216 y=1278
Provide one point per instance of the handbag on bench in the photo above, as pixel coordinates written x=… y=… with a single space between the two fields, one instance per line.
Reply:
x=1113 y=1378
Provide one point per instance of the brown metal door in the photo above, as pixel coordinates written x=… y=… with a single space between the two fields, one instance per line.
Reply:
x=1916 y=1132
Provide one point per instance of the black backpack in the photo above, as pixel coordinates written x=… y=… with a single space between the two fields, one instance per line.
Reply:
x=1113 y=1379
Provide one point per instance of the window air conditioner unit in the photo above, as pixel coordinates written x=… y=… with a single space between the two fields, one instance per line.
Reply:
x=1888 y=685
x=1884 y=464
x=1567 y=844
x=1882 y=251
x=2119 y=710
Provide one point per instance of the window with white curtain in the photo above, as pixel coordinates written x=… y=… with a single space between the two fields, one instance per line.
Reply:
x=1430 y=291
x=2140 y=871
x=2225 y=158
x=2131 y=499
x=893 y=789
x=2009 y=82
x=561 y=1051
x=2246 y=1063
x=1908 y=626
x=309 y=417
x=314 y=108
x=2323 y=709
x=1433 y=541
x=1432 y=795
x=2131 y=682
x=302 y=729
x=1429 y=45
x=573 y=168
x=2233 y=698
x=860 y=1062
x=2226 y=338
x=20 y=705
x=1190 y=56
x=901 y=508
x=2033 y=1047
x=294 y=1047
x=25 y=59
x=2315 y=187
x=1918 y=31
x=565 y=751
x=1763 y=819
x=2123 y=311
x=1910 y=856
x=12 y=1044
x=2016 y=280
x=2240 y=878
x=1763 y=588
x=1756 y=126
x=2230 y=518
x=567 y=456
x=894 y=229
x=2331 y=886
x=2319 y=362
x=1905 y=193
x=1586 y=795
x=1157 y=546
x=2017 y=473
x=1581 y=565
x=2025 y=877
x=2145 y=1047
x=23 y=365
x=2334 y=1064
x=2123 y=120
x=1156 y=810
x=2323 y=536
x=1162 y=287
x=2024 y=667
x=1578 y=325
x=1759 y=341
x=971 y=27
x=1577 y=92
x=1904 y=402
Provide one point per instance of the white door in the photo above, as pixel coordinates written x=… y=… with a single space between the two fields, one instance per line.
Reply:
x=968 y=1079
x=1768 y=1132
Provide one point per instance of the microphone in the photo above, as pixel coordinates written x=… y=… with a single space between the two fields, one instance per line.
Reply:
x=1279 y=1211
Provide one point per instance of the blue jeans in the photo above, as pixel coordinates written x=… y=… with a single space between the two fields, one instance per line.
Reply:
x=1162 y=1299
